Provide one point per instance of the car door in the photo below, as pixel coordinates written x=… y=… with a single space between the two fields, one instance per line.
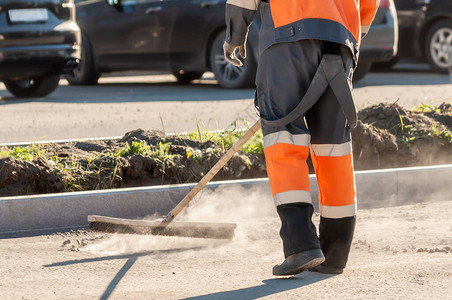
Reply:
x=192 y=23
x=411 y=16
x=131 y=36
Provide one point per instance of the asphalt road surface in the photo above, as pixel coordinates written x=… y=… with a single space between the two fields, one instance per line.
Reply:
x=122 y=103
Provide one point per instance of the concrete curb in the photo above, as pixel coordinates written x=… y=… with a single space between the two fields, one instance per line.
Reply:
x=43 y=213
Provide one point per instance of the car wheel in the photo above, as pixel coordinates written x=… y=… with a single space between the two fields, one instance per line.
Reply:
x=438 y=45
x=228 y=75
x=186 y=77
x=33 y=87
x=85 y=73
x=361 y=70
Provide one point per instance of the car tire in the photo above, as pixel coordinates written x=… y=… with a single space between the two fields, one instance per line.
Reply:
x=185 y=77
x=438 y=45
x=228 y=75
x=85 y=73
x=33 y=87
x=385 y=65
x=361 y=70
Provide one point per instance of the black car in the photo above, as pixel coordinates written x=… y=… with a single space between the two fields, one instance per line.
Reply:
x=425 y=28
x=185 y=37
x=39 y=40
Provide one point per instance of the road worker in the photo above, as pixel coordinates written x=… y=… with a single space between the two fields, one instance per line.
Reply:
x=308 y=51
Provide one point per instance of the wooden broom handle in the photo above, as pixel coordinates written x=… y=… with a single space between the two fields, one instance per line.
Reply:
x=212 y=172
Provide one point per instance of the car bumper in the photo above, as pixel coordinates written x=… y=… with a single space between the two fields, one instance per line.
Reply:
x=37 y=60
x=380 y=44
x=39 y=52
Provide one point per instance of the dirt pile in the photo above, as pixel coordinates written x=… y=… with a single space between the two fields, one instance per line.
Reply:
x=386 y=136
x=18 y=177
x=389 y=136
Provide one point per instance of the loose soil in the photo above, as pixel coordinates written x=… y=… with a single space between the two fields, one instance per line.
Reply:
x=386 y=136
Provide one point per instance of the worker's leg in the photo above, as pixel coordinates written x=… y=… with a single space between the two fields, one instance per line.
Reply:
x=331 y=152
x=284 y=74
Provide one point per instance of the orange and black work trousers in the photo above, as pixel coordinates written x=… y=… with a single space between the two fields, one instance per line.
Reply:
x=285 y=72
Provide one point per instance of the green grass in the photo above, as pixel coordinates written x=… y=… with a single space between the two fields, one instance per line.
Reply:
x=134 y=148
x=442 y=132
x=161 y=154
x=227 y=138
x=27 y=153
x=425 y=108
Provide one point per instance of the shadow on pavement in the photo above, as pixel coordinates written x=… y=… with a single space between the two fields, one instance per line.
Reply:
x=407 y=79
x=121 y=273
x=270 y=287
x=114 y=257
x=134 y=92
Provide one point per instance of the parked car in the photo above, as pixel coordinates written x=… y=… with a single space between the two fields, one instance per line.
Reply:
x=185 y=37
x=39 y=40
x=380 y=43
x=426 y=31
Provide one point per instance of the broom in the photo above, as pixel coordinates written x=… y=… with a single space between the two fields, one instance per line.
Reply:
x=165 y=226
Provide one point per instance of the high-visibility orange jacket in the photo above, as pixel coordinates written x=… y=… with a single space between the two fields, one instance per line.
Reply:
x=340 y=21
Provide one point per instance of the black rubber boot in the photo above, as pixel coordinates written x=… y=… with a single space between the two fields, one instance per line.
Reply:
x=298 y=233
x=336 y=237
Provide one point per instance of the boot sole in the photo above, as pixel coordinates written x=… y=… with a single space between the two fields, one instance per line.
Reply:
x=312 y=263
x=326 y=270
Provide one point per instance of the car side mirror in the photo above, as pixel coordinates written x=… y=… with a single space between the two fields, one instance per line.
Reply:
x=113 y=2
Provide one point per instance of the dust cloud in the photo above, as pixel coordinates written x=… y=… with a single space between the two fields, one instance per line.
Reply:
x=251 y=209
x=229 y=204
x=126 y=244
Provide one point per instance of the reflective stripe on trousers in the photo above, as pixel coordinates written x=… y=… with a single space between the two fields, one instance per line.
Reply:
x=286 y=156
x=333 y=165
x=288 y=172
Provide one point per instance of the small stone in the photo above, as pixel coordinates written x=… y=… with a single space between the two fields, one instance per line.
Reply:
x=431 y=251
x=66 y=242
